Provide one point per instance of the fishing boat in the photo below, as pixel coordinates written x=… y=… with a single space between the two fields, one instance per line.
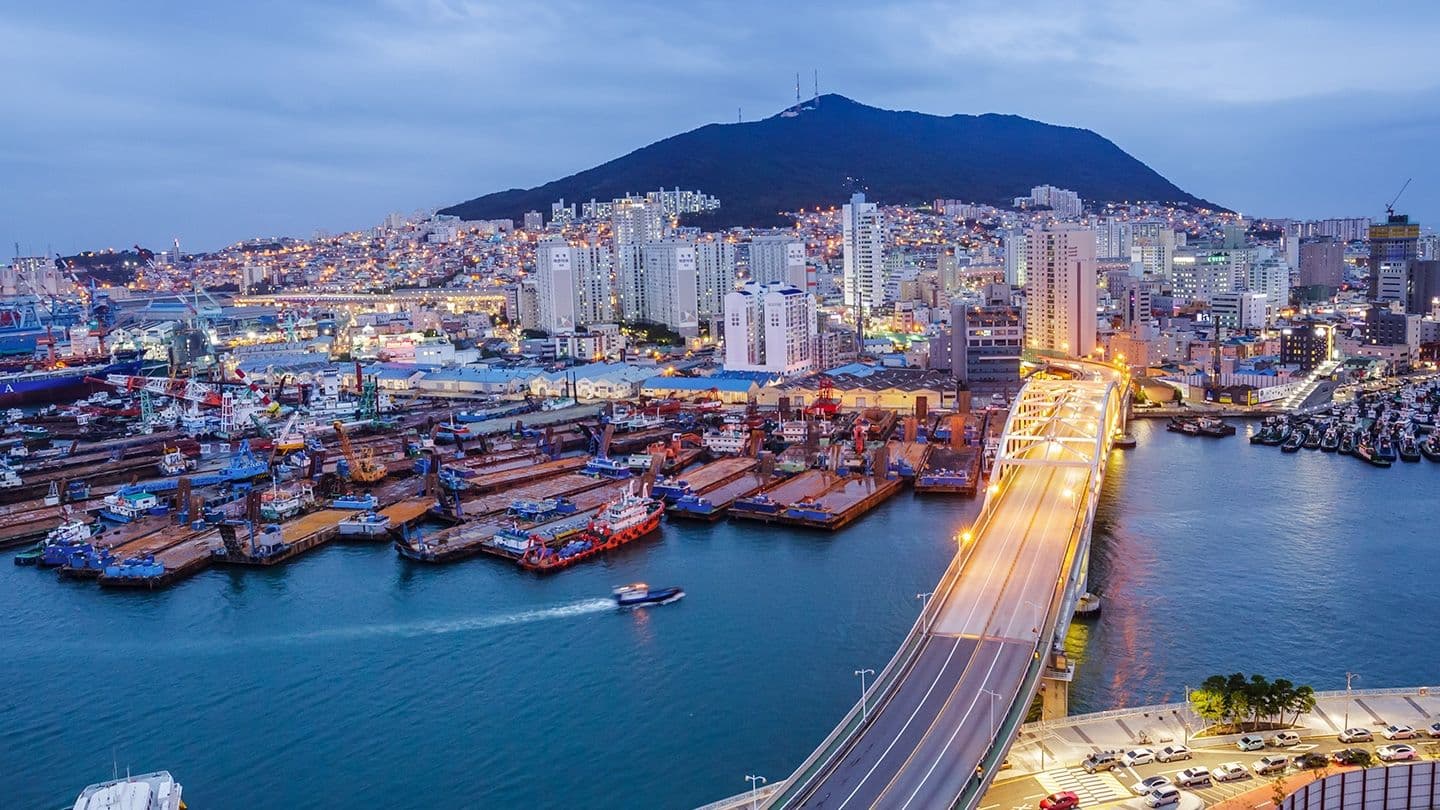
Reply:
x=124 y=507
x=640 y=595
x=1292 y=442
x=353 y=501
x=148 y=791
x=605 y=467
x=629 y=517
x=283 y=503
x=365 y=524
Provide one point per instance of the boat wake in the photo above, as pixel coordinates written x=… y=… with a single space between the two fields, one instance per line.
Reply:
x=223 y=644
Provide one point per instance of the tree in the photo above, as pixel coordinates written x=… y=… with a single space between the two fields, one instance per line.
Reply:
x=1302 y=700
x=1278 y=790
x=1208 y=702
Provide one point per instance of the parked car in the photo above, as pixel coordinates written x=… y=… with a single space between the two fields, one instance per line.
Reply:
x=1198 y=776
x=1284 y=739
x=1398 y=733
x=1433 y=730
x=1172 y=753
x=1229 y=772
x=1149 y=785
x=1395 y=753
x=1352 y=735
x=1250 y=742
x=1352 y=756
x=1064 y=800
x=1309 y=761
x=1100 y=761
x=1163 y=796
x=1139 y=756
x=1264 y=766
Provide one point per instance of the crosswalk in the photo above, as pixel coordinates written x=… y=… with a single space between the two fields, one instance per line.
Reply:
x=1092 y=788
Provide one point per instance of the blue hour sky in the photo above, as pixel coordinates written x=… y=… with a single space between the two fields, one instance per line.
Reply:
x=142 y=121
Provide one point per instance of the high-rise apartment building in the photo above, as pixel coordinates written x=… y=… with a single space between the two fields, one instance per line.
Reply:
x=670 y=285
x=555 y=286
x=1239 y=311
x=1113 y=237
x=779 y=257
x=1060 y=289
x=715 y=274
x=985 y=345
x=770 y=327
x=863 y=231
x=1015 y=257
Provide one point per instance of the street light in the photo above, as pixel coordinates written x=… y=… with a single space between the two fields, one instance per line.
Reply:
x=1349 y=676
x=755 y=783
x=862 y=673
x=1036 y=628
x=994 y=696
x=924 y=599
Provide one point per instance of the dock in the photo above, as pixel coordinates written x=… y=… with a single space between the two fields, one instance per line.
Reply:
x=704 y=478
x=301 y=535
x=716 y=501
x=405 y=513
x=950 y=470
x=491 y=481
x=907 y=458
x=840 y=503
x=767 y=504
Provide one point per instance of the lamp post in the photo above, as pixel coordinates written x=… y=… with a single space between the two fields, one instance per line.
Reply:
x=755 y=783
x=862 y=673
x=1036 y=628
x=1349 y=676
x=994 y=696
x=924 y=599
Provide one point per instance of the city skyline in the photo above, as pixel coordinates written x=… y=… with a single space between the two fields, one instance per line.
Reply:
x=281 y=119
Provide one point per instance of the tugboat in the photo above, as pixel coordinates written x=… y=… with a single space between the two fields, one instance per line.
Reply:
x=1178 y=425
x=1430 y=448
x=1385 y=448
x=1214 y=427
x=628 y=518
x=640 y=595
x=605 y=467
x=1347 y=443
x=1312 y=438
x=1409 y=449
x=1331 y=442
x=1367 y=453
x=1292 y=442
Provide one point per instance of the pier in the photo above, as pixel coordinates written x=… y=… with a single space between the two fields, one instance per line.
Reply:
x=766 y=505
x=703 y=479
x=301 y=535
x=843 y=501
x=949 y=470
x=716 y=502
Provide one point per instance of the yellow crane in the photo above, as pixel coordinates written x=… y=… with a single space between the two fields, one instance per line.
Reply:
x=364 y=469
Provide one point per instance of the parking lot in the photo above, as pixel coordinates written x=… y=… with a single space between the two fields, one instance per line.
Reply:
x=1024 y=792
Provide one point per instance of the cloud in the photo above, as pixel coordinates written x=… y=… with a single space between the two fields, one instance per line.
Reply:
x=140 y=120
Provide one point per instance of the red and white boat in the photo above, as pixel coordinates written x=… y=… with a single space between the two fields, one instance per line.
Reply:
x=627 y=518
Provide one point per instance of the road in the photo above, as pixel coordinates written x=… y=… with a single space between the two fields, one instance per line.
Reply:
x=925 y=741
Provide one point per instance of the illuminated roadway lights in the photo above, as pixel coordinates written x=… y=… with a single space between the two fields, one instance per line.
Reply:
x=864 y=712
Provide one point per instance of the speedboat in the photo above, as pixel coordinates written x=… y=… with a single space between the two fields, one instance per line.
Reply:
x=640 y=595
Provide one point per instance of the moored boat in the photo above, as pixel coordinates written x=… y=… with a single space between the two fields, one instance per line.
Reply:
x=629 y=517
x=364 y=524
x=147 y=791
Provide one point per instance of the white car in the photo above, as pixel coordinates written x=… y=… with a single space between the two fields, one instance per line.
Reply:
x=1395 y=753
x=1284 y=739
x=1162 y=796
x=1250 y=742
x=1353 y=735
x=1139 y=756
x=1149 y=785
x=1229 y=772
x=1398 y=733
x=1433 y=730
x=1198 y=776
x=1171 y=753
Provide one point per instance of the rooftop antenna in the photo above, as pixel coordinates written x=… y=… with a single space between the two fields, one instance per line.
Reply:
x=1390 y=209
x=797 y=89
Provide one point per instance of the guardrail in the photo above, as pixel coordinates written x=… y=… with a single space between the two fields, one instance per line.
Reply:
x=1161 y=708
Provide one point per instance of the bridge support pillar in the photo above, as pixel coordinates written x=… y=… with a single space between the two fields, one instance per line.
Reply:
x=1055 y=686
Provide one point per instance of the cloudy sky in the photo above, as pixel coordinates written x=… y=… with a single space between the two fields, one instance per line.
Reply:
x=145 y=120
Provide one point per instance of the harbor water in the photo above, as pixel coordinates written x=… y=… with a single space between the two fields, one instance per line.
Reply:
x=350 y=676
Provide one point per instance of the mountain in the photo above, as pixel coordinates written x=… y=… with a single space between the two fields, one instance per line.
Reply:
x=820 y=152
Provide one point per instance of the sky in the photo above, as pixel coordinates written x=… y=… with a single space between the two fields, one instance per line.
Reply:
x=143 y=121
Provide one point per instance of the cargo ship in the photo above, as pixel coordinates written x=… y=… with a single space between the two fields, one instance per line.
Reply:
x=60 y=381
x=627 y=518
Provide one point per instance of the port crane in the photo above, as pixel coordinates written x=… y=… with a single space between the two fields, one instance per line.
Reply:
x=1390 y=207
x=364 y=469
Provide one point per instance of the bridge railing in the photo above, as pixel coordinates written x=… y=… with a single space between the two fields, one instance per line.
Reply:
x=855 y=718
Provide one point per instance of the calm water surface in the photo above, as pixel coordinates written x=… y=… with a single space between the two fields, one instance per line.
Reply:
x=351 y=676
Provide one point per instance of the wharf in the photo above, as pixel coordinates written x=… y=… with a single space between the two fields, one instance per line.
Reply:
x=467 y=540
x=183 y=559
x=405 y=513
x=846 y=499
x=950 y=470
x=906 y=458
x=707 y=477
x=565 y=484
x=301 y=535
x=717 y=500
x=508 y=478
x=113 y=538
x=768 y=504
x=36 y=486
